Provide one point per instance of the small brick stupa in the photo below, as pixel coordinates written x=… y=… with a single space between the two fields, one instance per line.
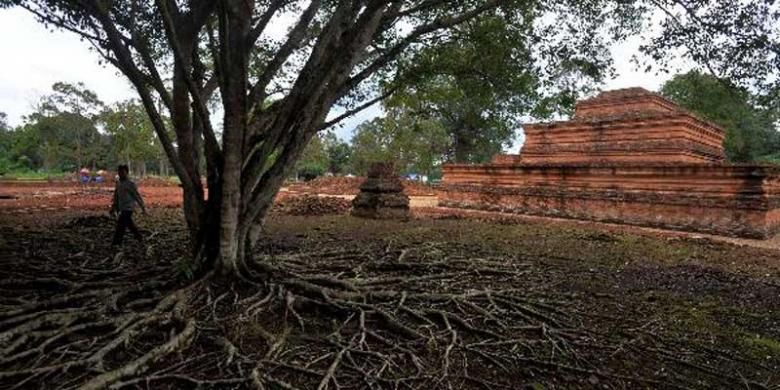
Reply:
x=381 y=195
x=627 y=156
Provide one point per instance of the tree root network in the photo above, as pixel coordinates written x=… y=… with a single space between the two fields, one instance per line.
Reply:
x=375 y=316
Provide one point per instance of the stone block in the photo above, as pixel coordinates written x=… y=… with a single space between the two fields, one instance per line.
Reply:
x=381 y=195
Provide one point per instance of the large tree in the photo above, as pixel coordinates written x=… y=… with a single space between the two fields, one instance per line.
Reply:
x=275 y=94
x=324 y=153
x=313 y=161
x=61 y=133
x=339 y=154
x=334 y=53
x=487 y=75
x=737 y=41
x=74 y=109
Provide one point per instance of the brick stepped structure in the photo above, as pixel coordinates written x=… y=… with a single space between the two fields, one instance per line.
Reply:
x=629 y=125
x=627 y=156
x=382 y=195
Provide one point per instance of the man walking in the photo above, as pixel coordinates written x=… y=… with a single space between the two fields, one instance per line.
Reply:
x=125 y=197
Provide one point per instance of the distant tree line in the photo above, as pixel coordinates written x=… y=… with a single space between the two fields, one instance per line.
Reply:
x=440 y=120
x=71 y=128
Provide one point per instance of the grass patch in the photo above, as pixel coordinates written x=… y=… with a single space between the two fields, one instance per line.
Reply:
x=761 y=346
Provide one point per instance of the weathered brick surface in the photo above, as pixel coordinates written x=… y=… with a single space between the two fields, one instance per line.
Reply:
x=729 y=200
x=621 y=102
x=632 y=125
x=381 y=195
x=628 y=156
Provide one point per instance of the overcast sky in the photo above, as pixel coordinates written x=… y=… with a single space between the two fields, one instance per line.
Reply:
x=33 y=59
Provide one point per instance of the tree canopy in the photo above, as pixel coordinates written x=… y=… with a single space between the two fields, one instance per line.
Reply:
x=486 y=76
x=413 y=144
x=737 y=41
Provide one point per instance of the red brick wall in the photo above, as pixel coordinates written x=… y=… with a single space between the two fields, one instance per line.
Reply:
x=666 y=138
x=720 y=199
x=619 y=107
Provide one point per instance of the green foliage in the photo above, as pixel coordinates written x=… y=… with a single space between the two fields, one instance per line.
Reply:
x=61 y=134
x=482 y=79
x=314 y=161
x=131 y=131
x=414 y=144
x=773 y=158
x=735 y=40
x=71 y=128
x=751 y=130
x=339 y=154
x=6 y=143
x=326 y=153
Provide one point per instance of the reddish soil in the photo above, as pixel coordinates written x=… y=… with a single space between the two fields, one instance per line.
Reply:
x=22 y=198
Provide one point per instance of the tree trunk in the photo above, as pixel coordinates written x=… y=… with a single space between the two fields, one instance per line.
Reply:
x=234 y=18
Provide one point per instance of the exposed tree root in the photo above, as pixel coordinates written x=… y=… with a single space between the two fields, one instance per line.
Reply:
x=421 y=317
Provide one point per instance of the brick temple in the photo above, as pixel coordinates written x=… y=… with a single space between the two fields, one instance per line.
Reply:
x=627 y=156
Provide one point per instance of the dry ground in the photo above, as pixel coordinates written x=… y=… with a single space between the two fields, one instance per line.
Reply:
x=479 y=304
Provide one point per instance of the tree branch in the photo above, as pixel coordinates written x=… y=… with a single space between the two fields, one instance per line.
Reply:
x=200 y=105
x=257 y=94
x=262 y=23
x=128 y=67
x=61 y=24
x=357 y=109
x=155 y=80
x=417 y=33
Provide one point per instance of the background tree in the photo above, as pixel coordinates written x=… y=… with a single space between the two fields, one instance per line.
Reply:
x=737 y=41
x=326 y=153
x=61 y=133
x=339 y=154
x=134 y=141
x=313 y=161
x=70 y=128
x=751 y=131
x=6 y=144
x=489 y=73
x=416 y=145
x=71 y=109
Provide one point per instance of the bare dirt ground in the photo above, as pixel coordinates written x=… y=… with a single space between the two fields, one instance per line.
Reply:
x=477 y=302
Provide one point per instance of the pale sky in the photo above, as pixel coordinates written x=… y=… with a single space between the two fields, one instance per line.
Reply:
x=33 y=59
